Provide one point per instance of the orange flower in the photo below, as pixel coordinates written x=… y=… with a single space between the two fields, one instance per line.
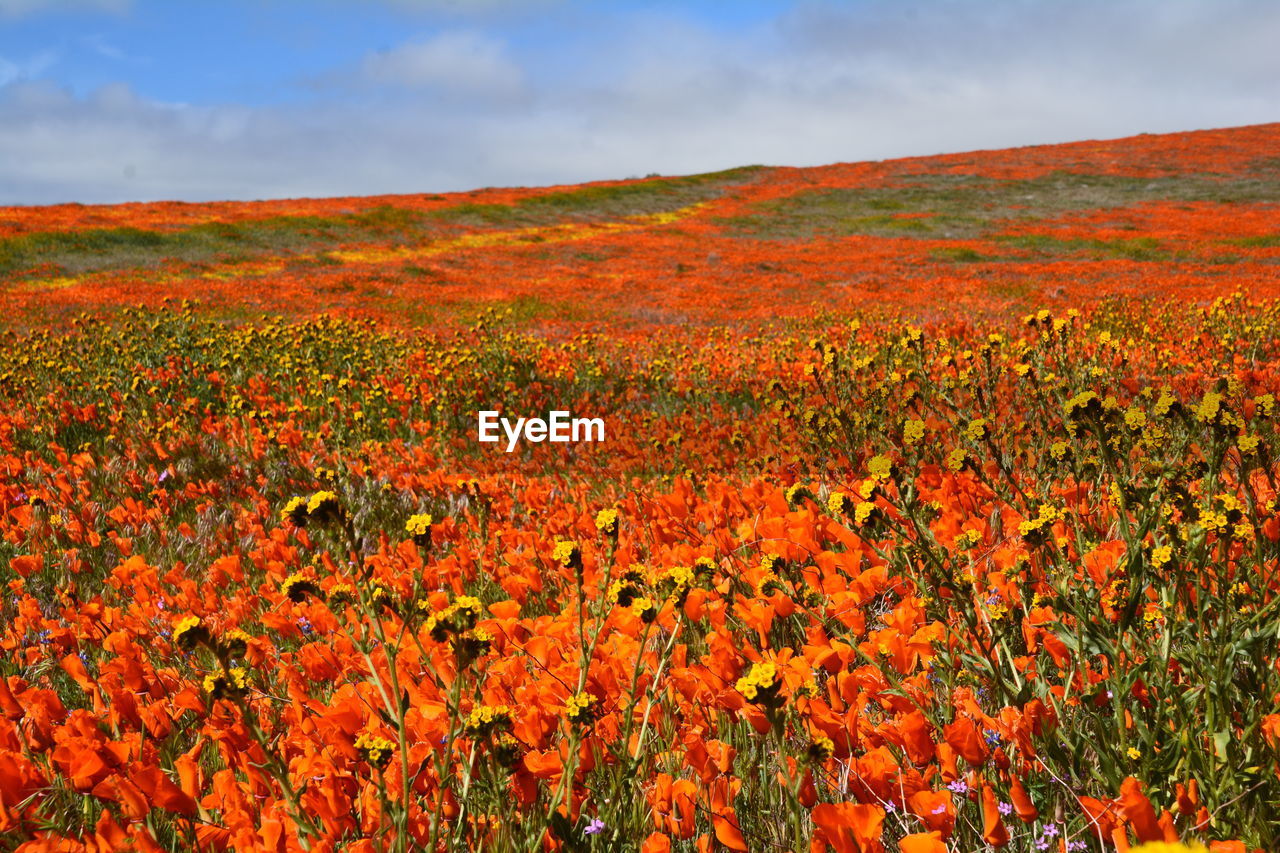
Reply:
x=993 y=828
x=922 y=842
x=850 y=827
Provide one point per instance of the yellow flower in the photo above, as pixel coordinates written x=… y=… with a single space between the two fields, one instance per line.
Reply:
x=341 y=593
x=190 y=632
x=760 y=684
x=567 y=554
x=295 y=511
x=1134 y=418
x=1208 y=408
x=644 y=608
x=297 y=587
x=231 y=682
x=324 y=506
x=866 y=513
x=912 y=431
x=821 y=748
x=488 y=718
x=471 y=645
x=797 y=493
x=419 y=525
x=373 y=749
x=580 y=707
x=607 y=522
x=881 y=467
x=234 y=643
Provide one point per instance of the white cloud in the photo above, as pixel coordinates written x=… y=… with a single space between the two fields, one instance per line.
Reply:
x=459 y=62
x=826 y=82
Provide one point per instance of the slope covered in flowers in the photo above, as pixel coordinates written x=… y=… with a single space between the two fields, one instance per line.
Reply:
x=936 y=512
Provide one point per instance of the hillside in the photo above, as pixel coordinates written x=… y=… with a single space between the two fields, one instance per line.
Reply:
x=982 y=232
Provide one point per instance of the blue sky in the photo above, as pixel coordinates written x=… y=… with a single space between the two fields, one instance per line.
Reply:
x=115 y=100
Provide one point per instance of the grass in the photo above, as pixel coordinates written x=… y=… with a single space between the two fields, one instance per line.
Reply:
x=967 y=207
x=594 y=203
x=90 y=250
x=960 y=255
x=1133 y=248
x=1258 y=241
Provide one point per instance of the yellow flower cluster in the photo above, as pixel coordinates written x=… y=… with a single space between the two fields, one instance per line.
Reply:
x=607 y=522
x=644 y=608
x=1036 y=531
x=227 y=683
x=457 y=618
x=881 y=467
x=418 y=525
x=298 y=586
x=323 y=506
x=235 y=643
x=567 y=554
x=190 y=632
x=488 y=718
x=821 y=748
x=796 y=493
x=1161 y=556
x=838 y=503
x=912 y=431
x=341 y=593
x=580 y=707
x=295 y=510
x=373 y=749
x=760 y=682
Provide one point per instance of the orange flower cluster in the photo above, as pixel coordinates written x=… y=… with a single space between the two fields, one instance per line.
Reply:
x=866 y=563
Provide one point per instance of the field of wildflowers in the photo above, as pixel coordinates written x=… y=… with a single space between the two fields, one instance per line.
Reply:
x=937 y=512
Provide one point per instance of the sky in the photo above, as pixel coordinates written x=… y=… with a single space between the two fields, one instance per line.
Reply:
x=139 y=100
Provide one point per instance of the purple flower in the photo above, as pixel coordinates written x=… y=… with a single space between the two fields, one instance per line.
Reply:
x=1051 y=831
x=1005 y=809
x=958 y=787
x=594 y=827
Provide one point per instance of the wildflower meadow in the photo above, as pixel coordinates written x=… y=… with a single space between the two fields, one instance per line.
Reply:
x=935 y=510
